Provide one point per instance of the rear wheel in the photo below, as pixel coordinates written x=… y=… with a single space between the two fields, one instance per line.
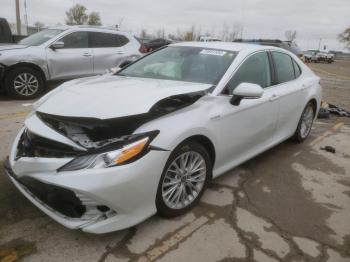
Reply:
x=305 y=123
x=184 y=179
x=24 y=83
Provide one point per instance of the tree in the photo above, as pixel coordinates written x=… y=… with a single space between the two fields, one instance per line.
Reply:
x=160 y=33
x=77 y=15
x=39 y=25
x=94 y=19
x=143 y=33
x=345 y=37
x=291 y=35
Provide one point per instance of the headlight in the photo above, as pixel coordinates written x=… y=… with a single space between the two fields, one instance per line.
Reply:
x=108 y=159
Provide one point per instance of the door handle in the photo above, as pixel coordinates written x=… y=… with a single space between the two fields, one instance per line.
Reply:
x=273 y=97
x=119 y=52
x=304 y=86
x=87 y=54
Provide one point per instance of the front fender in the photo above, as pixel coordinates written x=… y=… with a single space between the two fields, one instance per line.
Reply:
x=36 y=58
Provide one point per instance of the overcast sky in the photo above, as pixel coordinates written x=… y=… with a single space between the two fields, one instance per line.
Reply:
x=312 y=19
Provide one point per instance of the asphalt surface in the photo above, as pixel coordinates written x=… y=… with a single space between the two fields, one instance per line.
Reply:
x=291 y=203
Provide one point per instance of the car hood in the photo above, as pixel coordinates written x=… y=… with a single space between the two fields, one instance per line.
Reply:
x=110 y=96
x=4 y=47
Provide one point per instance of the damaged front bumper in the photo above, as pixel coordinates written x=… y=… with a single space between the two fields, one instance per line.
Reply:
x=94 y=200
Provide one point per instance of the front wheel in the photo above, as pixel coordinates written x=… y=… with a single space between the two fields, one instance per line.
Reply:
x=305 y=123
x=24 y=83
x=184 y=179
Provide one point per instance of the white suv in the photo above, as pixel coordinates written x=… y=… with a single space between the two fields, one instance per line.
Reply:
x=62 y=53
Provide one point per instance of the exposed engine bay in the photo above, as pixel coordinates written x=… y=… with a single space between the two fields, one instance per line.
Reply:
x=95 y=134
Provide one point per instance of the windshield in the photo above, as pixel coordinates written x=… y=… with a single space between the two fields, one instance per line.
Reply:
x=180 y=63
x=40 y=37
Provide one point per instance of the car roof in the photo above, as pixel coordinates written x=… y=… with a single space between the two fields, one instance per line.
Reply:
x=89 y=27
x=229 y=46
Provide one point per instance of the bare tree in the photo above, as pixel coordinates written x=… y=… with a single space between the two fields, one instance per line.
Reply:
x=225 y=32
x=143 y=33
x=77 y=15
x=344 y=37
x=290 y=35
x=236 y=31
x=94 y=19
x=160 y=33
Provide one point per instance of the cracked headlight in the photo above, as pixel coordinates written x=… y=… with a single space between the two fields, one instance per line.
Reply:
x=119 y=156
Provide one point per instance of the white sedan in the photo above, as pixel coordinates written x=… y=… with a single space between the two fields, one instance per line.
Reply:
x=104 y=153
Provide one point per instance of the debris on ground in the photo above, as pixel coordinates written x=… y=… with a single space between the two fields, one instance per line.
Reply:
x=327 y=109
x=15 y=250
x=323 y=113
x=329 y=149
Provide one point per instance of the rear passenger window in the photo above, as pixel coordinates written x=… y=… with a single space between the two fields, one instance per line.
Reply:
x=75 y=40
x=297 y=69
x=284 y=67
x=102 y=40
x=255 y=69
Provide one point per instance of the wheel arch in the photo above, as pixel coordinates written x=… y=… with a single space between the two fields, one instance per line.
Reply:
x=315 y=106
x=27 y=64
x=206 y=143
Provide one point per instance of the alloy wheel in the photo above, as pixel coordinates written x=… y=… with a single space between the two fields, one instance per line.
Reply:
x=306 y=122
x=26 y=84
x=184 y=180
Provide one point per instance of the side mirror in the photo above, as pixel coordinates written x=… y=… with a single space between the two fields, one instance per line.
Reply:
x=246 y=91
x=125 y=63
x=57 y=45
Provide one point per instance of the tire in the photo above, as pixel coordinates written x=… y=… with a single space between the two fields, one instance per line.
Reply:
x=192 y=195
x=24 y=83
x=304 y=128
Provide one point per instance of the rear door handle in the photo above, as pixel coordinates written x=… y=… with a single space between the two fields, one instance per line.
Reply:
x=119 y=52
x=304 y=86
x=273 y=97
x=87 y=54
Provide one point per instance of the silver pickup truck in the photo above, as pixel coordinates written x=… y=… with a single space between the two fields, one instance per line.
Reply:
x=62 y=53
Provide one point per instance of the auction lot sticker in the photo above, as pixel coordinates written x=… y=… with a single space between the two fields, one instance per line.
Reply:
x=212 y=52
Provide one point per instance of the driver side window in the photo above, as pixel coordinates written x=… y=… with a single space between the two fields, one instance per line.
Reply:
x=255 y=69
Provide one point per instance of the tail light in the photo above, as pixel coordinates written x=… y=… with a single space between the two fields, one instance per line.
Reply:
x=143 y=49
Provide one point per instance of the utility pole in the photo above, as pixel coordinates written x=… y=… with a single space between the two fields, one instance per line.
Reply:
x=18 y=18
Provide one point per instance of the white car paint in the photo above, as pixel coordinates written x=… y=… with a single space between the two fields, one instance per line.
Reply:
x=238 y=133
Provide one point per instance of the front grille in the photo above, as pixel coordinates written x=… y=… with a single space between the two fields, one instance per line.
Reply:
x=60 y=199
x=32 y=145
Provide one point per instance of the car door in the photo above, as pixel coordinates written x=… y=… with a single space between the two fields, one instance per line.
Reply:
x=249 y=128
x=73 y=60
x=108 y=50
x=291 y=92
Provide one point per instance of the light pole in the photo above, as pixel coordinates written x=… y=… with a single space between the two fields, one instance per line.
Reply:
x=18 y=18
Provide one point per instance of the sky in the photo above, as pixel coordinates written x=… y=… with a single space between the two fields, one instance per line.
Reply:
x=314 y=20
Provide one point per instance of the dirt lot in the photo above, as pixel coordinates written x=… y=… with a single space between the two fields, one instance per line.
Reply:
x=291 y=203
x=335 y=81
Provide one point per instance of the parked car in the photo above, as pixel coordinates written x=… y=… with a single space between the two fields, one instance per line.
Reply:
x=310 y=56
x=6 y=35
x=287 y=45
x=62 y=53
x=154 y=44
x=318 y=56
x=325 y=57
x=104 y=153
